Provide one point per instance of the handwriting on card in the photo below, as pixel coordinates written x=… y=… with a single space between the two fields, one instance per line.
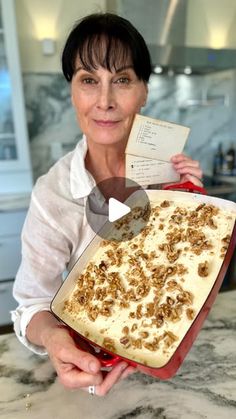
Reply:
x=149 y=171
x=156 y=139
x=150 y=146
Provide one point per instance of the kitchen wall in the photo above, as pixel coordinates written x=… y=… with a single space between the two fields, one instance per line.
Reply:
x=217 y=20
x=204 y=103
x=39 y=19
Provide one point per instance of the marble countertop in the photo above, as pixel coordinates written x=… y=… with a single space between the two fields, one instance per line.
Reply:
x=203 y=388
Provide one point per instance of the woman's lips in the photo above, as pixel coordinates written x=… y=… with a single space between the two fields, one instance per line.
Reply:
x=106 y=124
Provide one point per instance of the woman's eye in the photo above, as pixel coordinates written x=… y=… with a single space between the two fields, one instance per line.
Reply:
x=88 y=80
x=123 y=80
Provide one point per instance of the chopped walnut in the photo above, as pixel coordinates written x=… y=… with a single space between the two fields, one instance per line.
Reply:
x=134 y=327
x=109 y=344
x=165 y=204
x=173 y=256
x=137 y=343
x=185 y=297
x=102 y=266
x=226 y=239
x=203 y=269
x=212 y=224
x=143 y=334
x=158 y=321
x=190 y=313
x=125 y=330
x=93 y=313
x=150 y=346
x=125 y=341
x=169 y=338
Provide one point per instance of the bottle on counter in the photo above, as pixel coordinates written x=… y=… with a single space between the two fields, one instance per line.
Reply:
x=234 y=169
x=230 y=159
x=218 y=161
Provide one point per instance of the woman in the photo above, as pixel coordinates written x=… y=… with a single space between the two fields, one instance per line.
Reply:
x=108 y=65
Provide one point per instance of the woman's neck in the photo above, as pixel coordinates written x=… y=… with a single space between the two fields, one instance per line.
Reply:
x=105 y=161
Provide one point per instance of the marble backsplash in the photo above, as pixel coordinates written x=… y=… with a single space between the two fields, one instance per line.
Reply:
x=204 y=103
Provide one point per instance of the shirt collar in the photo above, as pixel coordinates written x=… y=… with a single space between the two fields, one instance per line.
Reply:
x=81 y=181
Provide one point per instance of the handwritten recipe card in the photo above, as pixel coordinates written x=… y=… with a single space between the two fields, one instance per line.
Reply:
x=150 y=146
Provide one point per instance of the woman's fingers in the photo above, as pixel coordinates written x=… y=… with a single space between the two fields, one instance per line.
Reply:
x=75 y=367
x=195 y=180
x=186 y=166
x=195 y=171
x=82 y=360
x=75 y=378
x=63 y=350
x=79 y=369
x=179 y=158
x=128 y=371
x=111 y=378
x=186 y=163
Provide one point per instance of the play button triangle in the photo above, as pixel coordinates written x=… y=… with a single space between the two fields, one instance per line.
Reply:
x=116 y=209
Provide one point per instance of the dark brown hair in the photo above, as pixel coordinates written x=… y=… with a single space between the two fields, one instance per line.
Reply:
x=107 y=40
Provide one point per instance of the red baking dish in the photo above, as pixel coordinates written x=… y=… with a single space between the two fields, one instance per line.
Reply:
x=109 y=358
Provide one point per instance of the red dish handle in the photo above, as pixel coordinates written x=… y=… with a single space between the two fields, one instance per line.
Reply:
x=106 y=359
x=187 y=186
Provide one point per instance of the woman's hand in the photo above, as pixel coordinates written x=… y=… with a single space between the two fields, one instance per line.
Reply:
x=78 y=369
x=188 y=169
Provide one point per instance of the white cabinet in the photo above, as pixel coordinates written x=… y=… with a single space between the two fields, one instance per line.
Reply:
x=7 y=302
x=9 y=256
x=15 y=168
x=11 y=223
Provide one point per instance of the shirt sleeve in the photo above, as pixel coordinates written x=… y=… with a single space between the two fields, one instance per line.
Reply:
x=46 y=252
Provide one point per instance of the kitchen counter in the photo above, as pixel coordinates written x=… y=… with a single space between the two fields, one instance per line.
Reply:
x=220 y=186
x=204 y=387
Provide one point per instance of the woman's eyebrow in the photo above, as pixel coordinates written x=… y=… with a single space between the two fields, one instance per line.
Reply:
x=125 y=67
x=118 y=70
x=82 y=68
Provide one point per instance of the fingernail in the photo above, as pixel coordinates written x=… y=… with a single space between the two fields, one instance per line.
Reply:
x=93 y=366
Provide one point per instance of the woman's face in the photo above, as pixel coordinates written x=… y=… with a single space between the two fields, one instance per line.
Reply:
x=106 y=102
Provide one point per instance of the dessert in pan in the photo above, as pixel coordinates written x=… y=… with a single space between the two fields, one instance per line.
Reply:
x=143 y=297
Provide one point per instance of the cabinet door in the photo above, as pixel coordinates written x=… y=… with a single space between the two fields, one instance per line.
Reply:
x=11 y=222
x=7 y=302
x=8 y=149
x=10 y=256
x=15 y=168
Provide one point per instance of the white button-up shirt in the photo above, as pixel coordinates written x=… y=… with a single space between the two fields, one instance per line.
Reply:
x=54 y=235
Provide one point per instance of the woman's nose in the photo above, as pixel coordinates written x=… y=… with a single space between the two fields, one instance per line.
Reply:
x=106 y=99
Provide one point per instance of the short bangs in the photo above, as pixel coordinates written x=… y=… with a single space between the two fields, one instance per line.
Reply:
x=109 y=41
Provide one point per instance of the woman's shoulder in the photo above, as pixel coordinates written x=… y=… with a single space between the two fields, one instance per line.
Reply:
x=52 y=200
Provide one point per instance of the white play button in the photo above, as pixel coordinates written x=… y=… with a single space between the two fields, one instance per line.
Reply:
x=110 y=201
x=116 y=209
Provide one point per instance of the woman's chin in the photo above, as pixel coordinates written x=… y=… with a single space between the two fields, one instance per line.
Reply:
x=109 y=141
